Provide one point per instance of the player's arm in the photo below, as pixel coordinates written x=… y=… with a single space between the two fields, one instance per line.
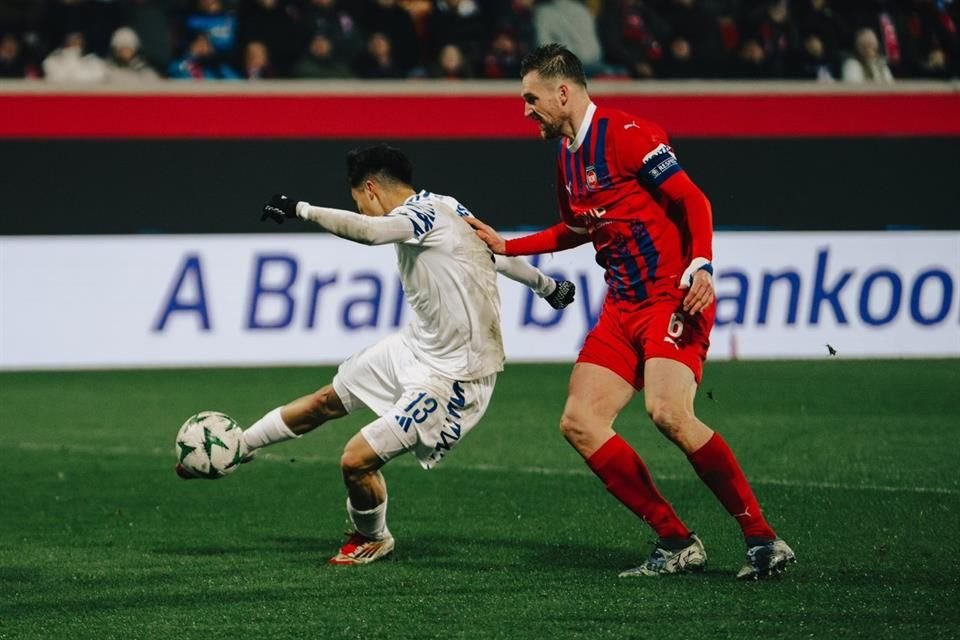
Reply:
x=646 y=152
x=346 y=224
x=557 y=293
x=698 y=275
x=561 y=236
x=555 y=238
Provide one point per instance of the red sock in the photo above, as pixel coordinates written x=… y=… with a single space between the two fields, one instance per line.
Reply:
x=716 y=465
x=627 y=478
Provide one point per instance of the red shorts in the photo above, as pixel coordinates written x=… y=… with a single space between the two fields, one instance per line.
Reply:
x=629 y=333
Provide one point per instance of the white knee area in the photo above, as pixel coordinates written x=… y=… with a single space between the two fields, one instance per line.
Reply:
x=383 y=440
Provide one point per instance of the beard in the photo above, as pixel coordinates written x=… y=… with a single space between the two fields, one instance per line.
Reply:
x=549 y=131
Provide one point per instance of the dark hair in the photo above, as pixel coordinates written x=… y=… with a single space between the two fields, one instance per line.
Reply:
x=554 y=61
x=384 y=162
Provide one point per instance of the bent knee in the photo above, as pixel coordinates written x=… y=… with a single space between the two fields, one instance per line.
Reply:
x=669 y=417
x=571 y=426
x=353 y=465
x=585 y=433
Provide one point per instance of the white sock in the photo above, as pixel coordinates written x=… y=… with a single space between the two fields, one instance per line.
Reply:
x=269 y=429
x=371 y=523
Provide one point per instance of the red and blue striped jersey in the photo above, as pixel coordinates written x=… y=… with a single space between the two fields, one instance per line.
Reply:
x=608 y=183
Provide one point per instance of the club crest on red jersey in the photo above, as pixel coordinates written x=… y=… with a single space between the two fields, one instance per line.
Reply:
x=592 y=180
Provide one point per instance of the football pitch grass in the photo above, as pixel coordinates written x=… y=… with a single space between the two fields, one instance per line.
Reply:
x=510 y=537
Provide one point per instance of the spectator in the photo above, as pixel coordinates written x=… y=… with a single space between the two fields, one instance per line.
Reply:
x=679 y=62
x=377 y=62
x=450 y=64
x=630 y=34
x=457 y=22
x=751 y=61
x=125 y=63
x=866 y=64
x=256 y=62
x=818 y=18
x=12 y=62
x=772 y=28
x=394 y=24
x=33 y=51
x=806 y=39
x=812 y=63
x=569 y=23
x=514 y=17
x=694 y=39
x=728 y=14
x=96 y=21
x=328 y=19
x=201 y=62
x=321 y=60
x=150 y=22
x=503 y=58
x=219 y=24
x=931 y=39
x=270 y=22
x=71 y=62
x=881 y=17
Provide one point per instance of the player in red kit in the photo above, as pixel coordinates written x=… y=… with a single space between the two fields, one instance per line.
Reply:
x=621 y=187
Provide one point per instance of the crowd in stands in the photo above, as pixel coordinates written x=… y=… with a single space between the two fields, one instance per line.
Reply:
x=145 y=40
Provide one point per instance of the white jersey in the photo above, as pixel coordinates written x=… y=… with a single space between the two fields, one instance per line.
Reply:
x=450 y=282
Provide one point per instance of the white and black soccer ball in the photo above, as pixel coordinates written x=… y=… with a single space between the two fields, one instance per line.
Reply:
x=210 y=444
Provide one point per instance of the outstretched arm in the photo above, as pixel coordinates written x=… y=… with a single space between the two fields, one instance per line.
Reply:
x=557 y=293
x=357 y=227
x=556 y=238
x=521 y=271
x=346 y=224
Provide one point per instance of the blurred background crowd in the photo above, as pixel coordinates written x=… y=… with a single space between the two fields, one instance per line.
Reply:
x=100 y=41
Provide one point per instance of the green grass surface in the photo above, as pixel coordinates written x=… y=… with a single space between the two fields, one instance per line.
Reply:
x=510 y=537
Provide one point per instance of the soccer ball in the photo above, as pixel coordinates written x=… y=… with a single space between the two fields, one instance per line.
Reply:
x=210 y=444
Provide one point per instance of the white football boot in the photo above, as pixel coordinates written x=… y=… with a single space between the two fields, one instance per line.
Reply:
x=359 y=549
x=767 y=559
x=662 y=561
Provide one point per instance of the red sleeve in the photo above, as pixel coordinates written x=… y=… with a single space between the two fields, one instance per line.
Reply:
x=680 y=188
x=555 y=238
x=644 y=150
x=636 y=144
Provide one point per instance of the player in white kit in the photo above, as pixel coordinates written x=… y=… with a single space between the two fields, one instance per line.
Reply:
x=431 y=382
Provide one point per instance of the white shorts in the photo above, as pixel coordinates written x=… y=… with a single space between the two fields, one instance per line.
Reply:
x=423 y=411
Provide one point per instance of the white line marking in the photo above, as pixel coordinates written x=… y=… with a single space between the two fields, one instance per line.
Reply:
x=120 y=450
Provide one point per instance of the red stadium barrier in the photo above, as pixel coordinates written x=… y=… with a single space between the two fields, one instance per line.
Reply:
x=418 y=116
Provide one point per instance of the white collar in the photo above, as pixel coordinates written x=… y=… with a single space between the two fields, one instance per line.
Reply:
x=584 y=127
x=423 y=193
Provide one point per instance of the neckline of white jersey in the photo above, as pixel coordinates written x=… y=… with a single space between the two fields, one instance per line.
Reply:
x=584 y=127
x=422 y=193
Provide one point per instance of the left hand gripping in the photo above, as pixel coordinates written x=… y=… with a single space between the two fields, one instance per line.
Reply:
x=697 y=264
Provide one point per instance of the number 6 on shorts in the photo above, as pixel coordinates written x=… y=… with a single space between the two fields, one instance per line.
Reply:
x=675 y=328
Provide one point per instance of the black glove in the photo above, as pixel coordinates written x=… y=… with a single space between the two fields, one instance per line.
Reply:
x=562 y=295
x=279 y=207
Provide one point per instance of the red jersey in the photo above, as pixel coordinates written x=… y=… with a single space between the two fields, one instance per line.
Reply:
x=609 y=183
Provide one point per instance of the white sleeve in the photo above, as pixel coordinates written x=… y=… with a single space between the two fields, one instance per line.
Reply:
x=356 y=226
x=525 y=273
